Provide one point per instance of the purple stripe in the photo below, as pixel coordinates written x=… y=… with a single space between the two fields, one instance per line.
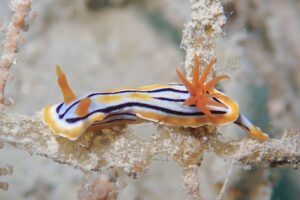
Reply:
x=120 y=92
x=169 y=99
x=143 y=105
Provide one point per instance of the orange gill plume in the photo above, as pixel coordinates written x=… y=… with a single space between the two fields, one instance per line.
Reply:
x=200 y=93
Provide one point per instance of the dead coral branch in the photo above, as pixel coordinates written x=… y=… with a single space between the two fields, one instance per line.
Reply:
x=118 y=148
x=200 y=33
x=21 y=9
x=283 y=151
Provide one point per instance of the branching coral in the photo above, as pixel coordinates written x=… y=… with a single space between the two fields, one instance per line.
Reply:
x=100 y=187
x=7 y=170
x=120 y=148
x=199 y=34
x=21 y=9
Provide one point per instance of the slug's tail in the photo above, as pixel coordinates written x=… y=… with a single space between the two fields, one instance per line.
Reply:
x=252 y=130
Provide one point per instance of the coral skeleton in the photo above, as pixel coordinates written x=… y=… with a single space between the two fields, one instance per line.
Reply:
x=21 y=9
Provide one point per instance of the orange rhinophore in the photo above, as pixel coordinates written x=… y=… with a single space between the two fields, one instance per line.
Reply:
x=68 y=94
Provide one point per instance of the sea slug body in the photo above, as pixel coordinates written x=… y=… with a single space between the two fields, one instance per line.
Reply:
x=190 y=104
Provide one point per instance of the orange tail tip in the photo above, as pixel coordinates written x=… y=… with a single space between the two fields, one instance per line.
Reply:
x=256 y=133
x=198 y=89
x=68 y=94
x=253 y=131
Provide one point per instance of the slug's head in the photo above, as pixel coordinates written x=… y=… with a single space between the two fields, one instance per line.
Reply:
x=82 y=108
x=70 y=118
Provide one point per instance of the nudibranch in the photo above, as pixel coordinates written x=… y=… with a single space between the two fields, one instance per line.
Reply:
x=190 y=104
